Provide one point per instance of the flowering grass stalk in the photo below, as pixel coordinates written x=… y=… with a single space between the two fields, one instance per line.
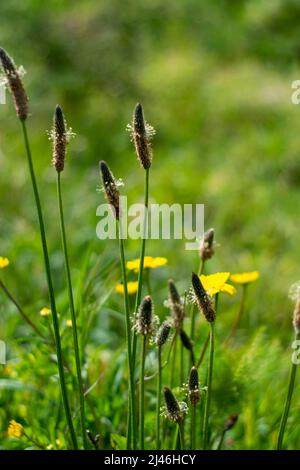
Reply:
x=194 y=396
x=21 y=105
x=51 y=291
x=113 y=197
x=161 y=338
x=60 y=141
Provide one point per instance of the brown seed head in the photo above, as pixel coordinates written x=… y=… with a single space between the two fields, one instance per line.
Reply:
x=206 y=249
x=172 y=405
x=203 y=300
x=15 y=84
x=145 y=326
x=194 y=392
x=163 y=333
x=230 y=422
x=59 y=140
x=110 y=188
x=175 y=303
x=141 y=135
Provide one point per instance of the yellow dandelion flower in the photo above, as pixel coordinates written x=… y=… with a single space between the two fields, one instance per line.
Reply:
x=15 y=429
x=132 y=288
x=45 y=312
x=215 y=283
x=149 y=262
x=69 y=323
x=245 y=278
x=3 y=262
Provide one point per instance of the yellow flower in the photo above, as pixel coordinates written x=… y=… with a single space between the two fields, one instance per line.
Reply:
x=45 y=312
x=15 y=429
x=3 y=262
x=132 y=288
x=149 y=262
x=245 y=278
x=215 y=283
x=69 y=323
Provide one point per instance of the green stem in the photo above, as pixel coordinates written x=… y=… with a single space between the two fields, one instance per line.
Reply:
x=209 y=387
x=288 y=401
x=142 y=393
x=72 y=310
x=148 y=281
x=181 y=363
x=180 y=442
x=20 y=310
x=172 y=372
x=193 y=427
x=131 y=411
x=193 y=308
x=140 y=277
x=203 y=351
x=221 y=440
x=158 y=398
x=51 y=290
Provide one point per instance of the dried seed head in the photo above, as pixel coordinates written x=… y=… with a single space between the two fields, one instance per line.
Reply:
x=163 y=333
x=206 y=248
x=202 y=299
x=174 y=294
x=59 y=139
x=110 y=188
x=146 y=322
x=142 y=134
x=175 y=411
x=15 y=84
x=194 y=392
x=175 y=303
x=230 y=422
x=187 y=343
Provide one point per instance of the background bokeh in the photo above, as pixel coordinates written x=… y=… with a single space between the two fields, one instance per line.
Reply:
x=215 y=80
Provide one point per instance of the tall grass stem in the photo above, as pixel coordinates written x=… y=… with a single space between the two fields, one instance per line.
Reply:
x=51 y=290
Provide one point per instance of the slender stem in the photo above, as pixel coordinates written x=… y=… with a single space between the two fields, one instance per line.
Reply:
x=131 y=411
x=172 y=372
x=20 y=310
x=240 y=313
x=142 y=256
x=51 y=291
x=140 y=275
x=148 y=281
x=288 y=401
x=193 y=427
x=209 y=387
x=181 y=363
x=203 y=351
x=193 y=308
x=221 y=440
x=158 y=398
x=72 y=310
x=142 y=392
x=180 y=442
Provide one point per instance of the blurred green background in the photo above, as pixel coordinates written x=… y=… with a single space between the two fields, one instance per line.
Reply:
x=215 y=81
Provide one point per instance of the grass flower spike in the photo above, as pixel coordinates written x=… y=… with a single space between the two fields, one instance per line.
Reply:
x=60 y=137
x=141 y=133
x=203 y=300
x=206 y=248
x=14 y=82
x=15 y=429
x=163 y=333
x=110 y=188
x=3 y=262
